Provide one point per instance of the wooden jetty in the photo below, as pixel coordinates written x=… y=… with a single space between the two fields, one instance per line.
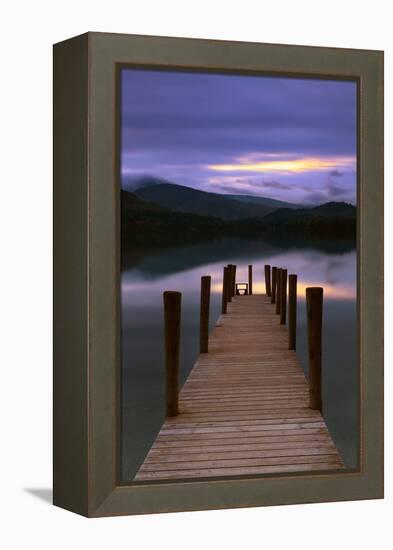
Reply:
x=245 y=407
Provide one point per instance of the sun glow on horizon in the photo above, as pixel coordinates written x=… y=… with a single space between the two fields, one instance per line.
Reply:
x=338 y=292
x=306 y=164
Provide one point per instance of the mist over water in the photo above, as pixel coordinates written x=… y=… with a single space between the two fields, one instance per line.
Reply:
x=332 y=266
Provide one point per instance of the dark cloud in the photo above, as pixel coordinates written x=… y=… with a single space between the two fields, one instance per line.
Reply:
x=276 y=185
x=335 y=173
x=336 y=191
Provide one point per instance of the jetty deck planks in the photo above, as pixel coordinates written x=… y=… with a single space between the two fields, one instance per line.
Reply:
x=244 y=407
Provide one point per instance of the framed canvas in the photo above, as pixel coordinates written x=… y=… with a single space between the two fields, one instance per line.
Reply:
x=218 y=274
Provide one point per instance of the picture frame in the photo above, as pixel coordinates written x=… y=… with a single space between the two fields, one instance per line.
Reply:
x=86 y=388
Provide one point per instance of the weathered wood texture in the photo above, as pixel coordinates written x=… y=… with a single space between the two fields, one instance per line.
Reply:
x=268 y=287
x=244 y=407
x=274 y=284
x=250 y=279
x=292 y=310
x=228 y=290
x=283 y=301
x=225 y=286
x=172 y=324
x=204 y=314
x=314 y=299
x=278 y=291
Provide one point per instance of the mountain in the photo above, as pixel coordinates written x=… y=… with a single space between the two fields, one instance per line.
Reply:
x=133 y=205
x=329 y=220
x=326 y=211
x=187 y=199
x=131 y=182
x=149 y=226
x=265 y=201
x=146 y=222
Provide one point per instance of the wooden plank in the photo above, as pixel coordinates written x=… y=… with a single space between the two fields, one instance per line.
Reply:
x=246 y=428
x=241 y=415
x=239 y=471
x=244 y=407
x=239 y=434
x=194 y=464
x=254 y=422
x=194 y=447
x=161 y=456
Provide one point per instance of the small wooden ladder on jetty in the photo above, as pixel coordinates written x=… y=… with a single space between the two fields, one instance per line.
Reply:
x=246 y=407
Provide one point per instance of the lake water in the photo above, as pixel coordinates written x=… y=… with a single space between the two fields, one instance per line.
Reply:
x=180 y=269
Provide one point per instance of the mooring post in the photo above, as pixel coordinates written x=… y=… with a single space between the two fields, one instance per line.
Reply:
x=204 y=314
x=233 y=280
x=314 y=299
x=292 y=306
x=172 y=319
x=274 y=284
x=278 y=291
x=283 y=300
x=229 y=283
x=250 y=279
x=229 y=287
x=267 y=281
x=224 y=289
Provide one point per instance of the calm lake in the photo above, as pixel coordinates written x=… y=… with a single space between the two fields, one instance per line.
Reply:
x=333 y=267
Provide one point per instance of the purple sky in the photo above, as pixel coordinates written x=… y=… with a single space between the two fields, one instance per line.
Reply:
x=291 y=139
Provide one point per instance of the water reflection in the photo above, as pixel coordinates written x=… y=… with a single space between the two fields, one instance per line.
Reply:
x=181 y=269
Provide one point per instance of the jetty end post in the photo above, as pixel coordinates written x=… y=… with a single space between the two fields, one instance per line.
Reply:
x=233 y=280
x=225 y=281
x=283 y=300
x=278 y=291
x=250 y=279
x=274 y=284
x=267 y=281
x=314 y=301
x=172 y=319
x=292 y=306
x=204 y=314
x=229 y=284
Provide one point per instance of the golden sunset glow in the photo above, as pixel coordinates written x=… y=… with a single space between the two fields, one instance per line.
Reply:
x=291 y=165
x=338 y=292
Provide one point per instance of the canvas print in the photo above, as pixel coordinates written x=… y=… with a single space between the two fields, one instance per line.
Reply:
x=238 y=275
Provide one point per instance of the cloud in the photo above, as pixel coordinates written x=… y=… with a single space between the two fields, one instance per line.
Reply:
x=285 y=164
x=337 y=191
x=292 y=132
x=276 y=185
x=336 y=173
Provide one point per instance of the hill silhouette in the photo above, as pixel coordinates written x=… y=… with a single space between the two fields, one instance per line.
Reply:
x=266 y=201
x=147 y=226
x=193 y=201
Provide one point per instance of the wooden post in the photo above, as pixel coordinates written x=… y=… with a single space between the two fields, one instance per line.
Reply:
x=283 y=300
x=204 y=314
x=314 y=299
x=229 y=285
x=292 y=306
x=278 y=291
x=229 y=288
x=267 y=281
x=274 y=284
x=172 y=317
x=233 y=280
x=224 y=290
x=250 y=279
